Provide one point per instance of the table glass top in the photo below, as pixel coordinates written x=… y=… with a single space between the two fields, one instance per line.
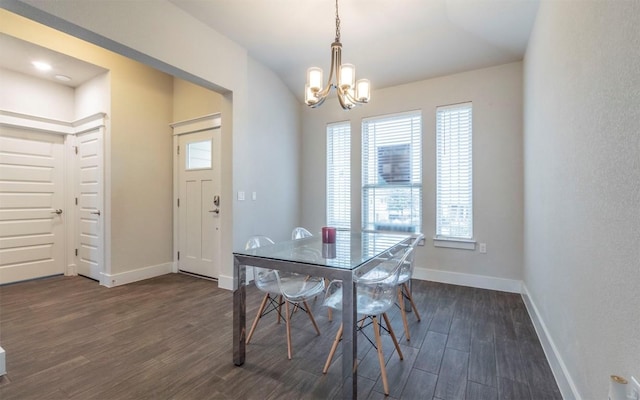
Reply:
x=350 y=250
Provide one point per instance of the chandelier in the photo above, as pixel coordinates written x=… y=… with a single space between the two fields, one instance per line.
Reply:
x=342 y=77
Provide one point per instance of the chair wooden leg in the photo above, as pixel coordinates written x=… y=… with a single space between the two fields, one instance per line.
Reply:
x=404 y=314
x=279 y=307
x=413 y=306
x=333 y=349
x=287 y=322
x=329 y=309
x=313 y=320
x=393 y=336
x=260 y=311
x=383 y=370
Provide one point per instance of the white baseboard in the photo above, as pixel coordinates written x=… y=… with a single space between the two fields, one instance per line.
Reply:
x=3 y=362
x=225 y=282
x=563 y=378
x=112 y=280
x=462 y=279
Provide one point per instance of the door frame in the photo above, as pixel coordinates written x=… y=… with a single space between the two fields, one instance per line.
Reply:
x=69 y=130
x=203 y=123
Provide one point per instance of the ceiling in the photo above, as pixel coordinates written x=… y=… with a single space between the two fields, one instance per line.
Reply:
x=17 y=56
x=391 y=42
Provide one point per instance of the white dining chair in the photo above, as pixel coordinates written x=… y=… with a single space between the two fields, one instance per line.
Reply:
x=283 y=288
x=376 y=293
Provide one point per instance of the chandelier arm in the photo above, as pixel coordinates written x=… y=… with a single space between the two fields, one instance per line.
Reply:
x=334 y=71
x=342 y=95
x=352 y=99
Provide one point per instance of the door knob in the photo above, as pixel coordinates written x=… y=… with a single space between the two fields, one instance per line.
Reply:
x=58 y=211
x=95 y=212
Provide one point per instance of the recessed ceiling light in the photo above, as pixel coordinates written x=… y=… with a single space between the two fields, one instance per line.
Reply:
x=42 y=66
x=63 y=78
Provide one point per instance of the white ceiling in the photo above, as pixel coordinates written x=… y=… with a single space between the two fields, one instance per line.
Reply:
x=17 y=56
x=391 y=42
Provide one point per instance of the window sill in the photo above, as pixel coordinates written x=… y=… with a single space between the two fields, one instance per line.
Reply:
x=463 y=244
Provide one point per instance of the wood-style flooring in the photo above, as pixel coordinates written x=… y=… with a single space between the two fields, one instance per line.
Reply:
x=170 y=338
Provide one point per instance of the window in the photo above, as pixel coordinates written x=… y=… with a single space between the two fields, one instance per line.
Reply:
x=199 y=155
x=454 y=196
x=392 y=173
x=339 y=175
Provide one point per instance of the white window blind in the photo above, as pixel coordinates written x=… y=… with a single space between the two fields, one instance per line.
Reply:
x=454 y=191
x=339 y=175
x=392 y=173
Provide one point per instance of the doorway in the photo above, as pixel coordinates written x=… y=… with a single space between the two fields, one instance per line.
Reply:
x=51 y=175
x=198 y=202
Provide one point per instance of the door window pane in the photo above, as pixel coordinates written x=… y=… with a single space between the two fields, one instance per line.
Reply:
x=199 y=155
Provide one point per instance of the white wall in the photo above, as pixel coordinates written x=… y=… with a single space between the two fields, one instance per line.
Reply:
x=29 y=95
x=269 y=161
x=92 y=97
x=496 y=94
x=582 y=186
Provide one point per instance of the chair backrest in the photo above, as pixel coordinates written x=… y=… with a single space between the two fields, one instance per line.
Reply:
x=300 y=233
x=406 y=270
x=258 y=241
x=265 y=279
x=377 y=288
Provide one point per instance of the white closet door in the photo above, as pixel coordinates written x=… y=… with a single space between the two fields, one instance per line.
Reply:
x=90 y=224
x=32 y=217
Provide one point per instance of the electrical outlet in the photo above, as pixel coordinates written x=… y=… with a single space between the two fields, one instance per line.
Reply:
x=483 y=248
x=635 y=389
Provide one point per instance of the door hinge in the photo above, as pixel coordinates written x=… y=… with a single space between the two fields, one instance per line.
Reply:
x=178 y=150
x=75 y=149
x=178 y=202
x=76 y=252
x=178 y=256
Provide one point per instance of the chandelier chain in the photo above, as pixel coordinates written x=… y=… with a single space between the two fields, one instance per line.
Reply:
x=337 y=24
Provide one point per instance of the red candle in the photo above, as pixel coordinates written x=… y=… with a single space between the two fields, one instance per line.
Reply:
x=328 y=234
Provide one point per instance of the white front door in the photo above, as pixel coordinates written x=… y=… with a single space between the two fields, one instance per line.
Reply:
x=89 y=192
x=199 y=203
x=32 y=214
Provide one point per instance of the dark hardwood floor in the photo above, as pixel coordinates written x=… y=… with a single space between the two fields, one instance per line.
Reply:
x=170 y=338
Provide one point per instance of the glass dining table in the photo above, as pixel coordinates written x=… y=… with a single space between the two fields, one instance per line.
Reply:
x=352 y=253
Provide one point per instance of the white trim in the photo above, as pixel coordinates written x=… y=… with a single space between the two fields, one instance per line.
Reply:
x=203 y=123
x=89 y=123
x=112 y=280
x=17 y=120
x=226 y=282
x=471 y=280
x=450 y=243
x=566 y=385
x=3 y=362
x=8 y=118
